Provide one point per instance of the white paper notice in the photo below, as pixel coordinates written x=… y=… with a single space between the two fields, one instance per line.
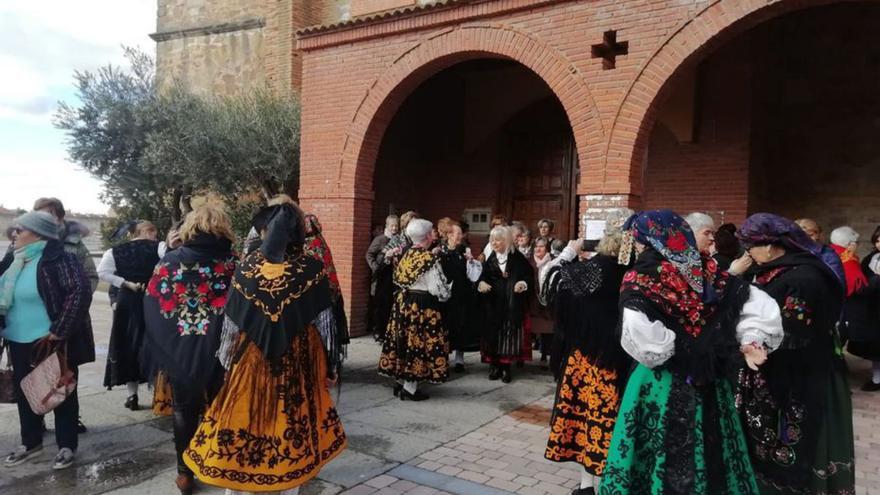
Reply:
x=594 y=229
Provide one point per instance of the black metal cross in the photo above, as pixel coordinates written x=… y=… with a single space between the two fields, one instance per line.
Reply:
x=609 y=49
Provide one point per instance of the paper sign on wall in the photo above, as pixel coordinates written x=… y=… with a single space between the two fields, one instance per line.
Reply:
x=594 y=229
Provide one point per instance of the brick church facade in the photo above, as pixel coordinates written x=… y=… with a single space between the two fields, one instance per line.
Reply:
x=566 y=108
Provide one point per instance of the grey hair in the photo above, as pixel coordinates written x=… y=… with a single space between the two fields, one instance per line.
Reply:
x=502 y=232
x=844 y=236
x=418 y=230
x=699 y=221
x=392 y=218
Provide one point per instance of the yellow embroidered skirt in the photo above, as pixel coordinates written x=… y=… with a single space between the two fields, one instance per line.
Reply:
x=162 y=400
x=584 y=414
x=269 y=429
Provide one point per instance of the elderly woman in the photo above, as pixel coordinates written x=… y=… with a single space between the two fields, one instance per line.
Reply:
x=596 y=367
x=183 y=310
x=688 y=326
x=128 y=267
x=461 y=313
x=539 y=314
x=504 y=284
x=44 y=301
x=273 y=425
x=703 y=227
x=797 y=409
x=862 y=320
x=524 y=242
x=381 y=286
x=415 y=348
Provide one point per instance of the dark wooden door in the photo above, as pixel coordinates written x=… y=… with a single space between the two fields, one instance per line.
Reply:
x=543 y=170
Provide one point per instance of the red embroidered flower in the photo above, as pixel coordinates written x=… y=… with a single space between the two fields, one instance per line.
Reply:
x=220 y=268
x=163 y=271
x=630 y=276
x=152 y=287
x=167 y=305
x=203 y=288
x=218 y=302
x=677 y=242
x=179 y=289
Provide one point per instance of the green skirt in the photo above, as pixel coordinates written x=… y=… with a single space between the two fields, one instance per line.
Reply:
x=674 y=438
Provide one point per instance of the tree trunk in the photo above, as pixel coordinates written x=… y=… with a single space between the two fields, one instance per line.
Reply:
x=176 y=196
x=186 y=201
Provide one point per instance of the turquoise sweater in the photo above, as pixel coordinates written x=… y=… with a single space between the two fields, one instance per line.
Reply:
x=27 y=320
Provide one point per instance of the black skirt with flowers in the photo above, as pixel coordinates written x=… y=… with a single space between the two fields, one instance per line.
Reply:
x=416 y=346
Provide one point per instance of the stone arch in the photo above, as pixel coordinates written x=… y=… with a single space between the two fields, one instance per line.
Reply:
x=717 y=23
x=444 y=49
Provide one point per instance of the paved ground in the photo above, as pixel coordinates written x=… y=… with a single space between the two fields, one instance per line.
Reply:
x=473 y=437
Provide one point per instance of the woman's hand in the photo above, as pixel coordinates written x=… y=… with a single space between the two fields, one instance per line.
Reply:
x=520 y=287
x=483 y=287
x=755 y=355
x=332 y=380
x=53 y=337
x=133 y=286
x=741 y=265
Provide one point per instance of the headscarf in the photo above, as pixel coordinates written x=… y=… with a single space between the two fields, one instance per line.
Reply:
x=9 y=278
x=766 y=228
x=277 y=290
x=668 y=234
x=316 y=246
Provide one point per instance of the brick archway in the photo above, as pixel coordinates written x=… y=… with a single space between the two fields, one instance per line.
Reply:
x=716 y=24
x=445 y=49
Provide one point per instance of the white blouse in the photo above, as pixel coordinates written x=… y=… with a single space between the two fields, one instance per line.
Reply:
x=652 y=343
x=874 y=264
x=434 y=282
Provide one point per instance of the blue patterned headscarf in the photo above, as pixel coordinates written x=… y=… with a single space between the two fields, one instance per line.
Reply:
x=668 y=234
x=766 y=228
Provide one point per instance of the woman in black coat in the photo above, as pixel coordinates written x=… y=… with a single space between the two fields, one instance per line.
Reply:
x=504 y=284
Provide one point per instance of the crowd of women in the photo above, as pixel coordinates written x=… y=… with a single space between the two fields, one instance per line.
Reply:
x=249 y=345
x=691 y=359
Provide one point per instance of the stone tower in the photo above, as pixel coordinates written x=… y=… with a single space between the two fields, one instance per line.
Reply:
x=226 y=46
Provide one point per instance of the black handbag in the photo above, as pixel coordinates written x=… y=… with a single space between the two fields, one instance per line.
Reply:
x=7 y=385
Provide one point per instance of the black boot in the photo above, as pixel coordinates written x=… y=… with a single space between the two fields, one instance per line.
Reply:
x=397 y=388
x=132 y=403
x=495 y=373
x=416 y=397
x=505 y=375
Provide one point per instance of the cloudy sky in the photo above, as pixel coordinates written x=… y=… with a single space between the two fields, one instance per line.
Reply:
x=41 y=43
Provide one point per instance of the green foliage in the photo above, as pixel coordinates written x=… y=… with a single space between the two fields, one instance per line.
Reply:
x=154 y=151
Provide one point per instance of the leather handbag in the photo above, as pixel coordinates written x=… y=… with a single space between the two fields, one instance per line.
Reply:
x=7 y=384
x=51 y=381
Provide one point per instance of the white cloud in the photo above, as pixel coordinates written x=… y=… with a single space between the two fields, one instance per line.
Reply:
x=42 y=43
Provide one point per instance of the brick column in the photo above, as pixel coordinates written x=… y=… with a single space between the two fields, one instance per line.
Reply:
x=598 y=206
x=346 y=223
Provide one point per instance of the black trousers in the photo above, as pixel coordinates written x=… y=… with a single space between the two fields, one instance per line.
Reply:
x=189 y=404
x=66 y=414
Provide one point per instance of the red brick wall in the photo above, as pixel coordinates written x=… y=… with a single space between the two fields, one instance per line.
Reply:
x=710 y=174
x=355 y=79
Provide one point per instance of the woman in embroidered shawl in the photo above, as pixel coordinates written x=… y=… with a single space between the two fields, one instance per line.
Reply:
x=336 y=336
x=183 y=310
x=504 y=284
x=797 y=410
x=688 y=326
x=416 y=348
x=272 y=426
x=596 y=366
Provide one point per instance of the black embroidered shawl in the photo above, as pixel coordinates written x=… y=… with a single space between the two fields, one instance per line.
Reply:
x=273 y=302
x=706 y=347
x=503 y=304
x=587 y=311
x=414 y=263
x=183 y=311
x=136 y=259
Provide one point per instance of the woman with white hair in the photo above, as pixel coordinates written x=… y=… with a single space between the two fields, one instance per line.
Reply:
x=504 y=283
x=415 y=348
x=861 y=311
x=703 y=227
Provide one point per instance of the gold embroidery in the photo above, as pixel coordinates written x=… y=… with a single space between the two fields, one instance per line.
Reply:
x=273 y=295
